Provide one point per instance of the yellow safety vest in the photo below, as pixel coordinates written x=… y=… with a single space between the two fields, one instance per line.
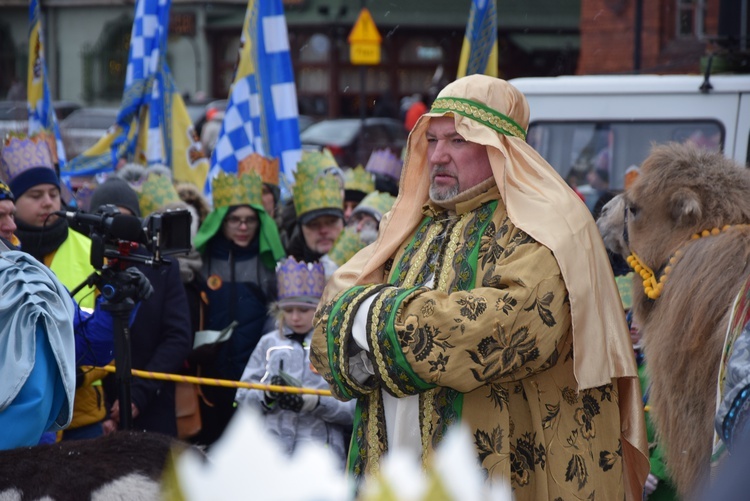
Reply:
x=71 y=263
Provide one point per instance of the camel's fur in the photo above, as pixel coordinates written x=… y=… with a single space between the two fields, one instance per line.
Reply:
x=611 y=224
x=682 y=191
x=124 y=465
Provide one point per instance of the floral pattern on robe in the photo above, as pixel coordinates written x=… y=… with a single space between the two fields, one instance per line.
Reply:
x=476 y=320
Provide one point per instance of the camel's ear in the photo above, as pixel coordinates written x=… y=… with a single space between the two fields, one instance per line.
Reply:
x=685 y=206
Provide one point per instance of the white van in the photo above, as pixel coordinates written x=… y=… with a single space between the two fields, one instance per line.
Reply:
x=593 y=128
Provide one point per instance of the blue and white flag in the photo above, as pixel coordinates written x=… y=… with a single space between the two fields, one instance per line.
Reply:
x=261 y=115
x=41 y=112
x=153 y=126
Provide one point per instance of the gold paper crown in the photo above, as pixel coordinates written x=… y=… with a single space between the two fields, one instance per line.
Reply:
x=358 y=179
x=347 y=244
x=313 y=187
x=267 y=168
x=323 y=192
x=155 y=193
x=314 y=162
x=376 y=204
x=229 y=190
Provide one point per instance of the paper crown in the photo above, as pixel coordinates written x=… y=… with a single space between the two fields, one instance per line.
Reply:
x=386 y=163
x=300 y=281
x=229 y=190
x=347 y=244
x=376 y=204
x=316 y=161
x=21 y=153
x=156 y=192
x=314 y=188
x=267 y=168
x=625 y=288
x=358 y=179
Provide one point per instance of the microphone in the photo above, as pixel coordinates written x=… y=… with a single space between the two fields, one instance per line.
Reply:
x=117 y=226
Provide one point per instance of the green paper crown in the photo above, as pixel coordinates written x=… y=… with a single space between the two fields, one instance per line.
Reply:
x=625 y=288
x=345 y=246
x=313 y=188
x=322 y=192
x=315 y=162
x=229 y=190
x=376 y=204
x=155 y=193
x=358 y=179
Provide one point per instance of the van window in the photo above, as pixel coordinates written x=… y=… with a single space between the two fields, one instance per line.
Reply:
x=593 y=156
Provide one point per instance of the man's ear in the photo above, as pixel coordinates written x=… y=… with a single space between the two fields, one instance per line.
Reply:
x=685 y=206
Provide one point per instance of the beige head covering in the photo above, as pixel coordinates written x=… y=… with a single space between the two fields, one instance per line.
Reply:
x=538 y=201
x=492 y=112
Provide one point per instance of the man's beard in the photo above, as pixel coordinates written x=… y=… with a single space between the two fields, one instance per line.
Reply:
x=368 y=235
x=442 y=193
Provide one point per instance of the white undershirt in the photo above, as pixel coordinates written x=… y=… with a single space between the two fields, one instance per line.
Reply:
x=401 y=414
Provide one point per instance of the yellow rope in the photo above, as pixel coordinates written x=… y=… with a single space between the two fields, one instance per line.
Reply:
x=226 y=383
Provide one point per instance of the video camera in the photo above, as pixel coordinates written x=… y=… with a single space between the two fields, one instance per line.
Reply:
x=115 y=235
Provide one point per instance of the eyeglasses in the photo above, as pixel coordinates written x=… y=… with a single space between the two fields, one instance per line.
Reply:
x=237 y=221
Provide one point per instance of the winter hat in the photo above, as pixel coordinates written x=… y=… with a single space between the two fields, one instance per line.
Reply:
x=115 y=191
x=5 y=193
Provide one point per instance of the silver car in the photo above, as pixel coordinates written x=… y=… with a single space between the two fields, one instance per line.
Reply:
x=84 y=127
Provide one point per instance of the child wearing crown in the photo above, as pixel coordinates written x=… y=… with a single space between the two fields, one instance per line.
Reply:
x=282 y=357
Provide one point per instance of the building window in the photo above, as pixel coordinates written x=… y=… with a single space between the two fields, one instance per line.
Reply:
x=312 y=70
x=690 y=18
x=12 y=67
x=105 y=63
x=315 y=49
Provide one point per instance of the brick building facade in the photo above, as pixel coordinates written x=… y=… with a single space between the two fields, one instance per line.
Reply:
x=675 y=34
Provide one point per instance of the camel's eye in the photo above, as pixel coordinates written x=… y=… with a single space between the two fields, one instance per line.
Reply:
x=633 y=210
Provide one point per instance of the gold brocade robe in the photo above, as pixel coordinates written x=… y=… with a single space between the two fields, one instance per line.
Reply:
x=489 y=344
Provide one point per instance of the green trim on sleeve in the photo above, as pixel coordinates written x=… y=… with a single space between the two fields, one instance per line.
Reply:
x=339 y=339
x=385 y=345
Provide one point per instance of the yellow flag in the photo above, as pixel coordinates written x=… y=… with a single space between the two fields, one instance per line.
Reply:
x=479 y=51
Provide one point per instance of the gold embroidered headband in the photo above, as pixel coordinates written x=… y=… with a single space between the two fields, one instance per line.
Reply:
x=481 y=113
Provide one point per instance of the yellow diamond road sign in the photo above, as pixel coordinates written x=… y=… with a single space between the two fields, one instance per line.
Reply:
x=364 y=40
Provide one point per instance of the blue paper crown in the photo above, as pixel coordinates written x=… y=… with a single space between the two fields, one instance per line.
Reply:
x=300 y=281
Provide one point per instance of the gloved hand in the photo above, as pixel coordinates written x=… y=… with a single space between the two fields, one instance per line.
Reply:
x=140 y=282
x=294 y=402
x=270 y=397
x=652 y=482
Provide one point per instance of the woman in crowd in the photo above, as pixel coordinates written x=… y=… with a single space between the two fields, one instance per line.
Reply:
x=239 y=244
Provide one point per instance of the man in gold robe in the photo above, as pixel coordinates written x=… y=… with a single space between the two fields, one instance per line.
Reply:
x=487 y=300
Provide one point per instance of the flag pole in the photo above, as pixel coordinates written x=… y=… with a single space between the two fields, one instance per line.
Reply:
x=362 y=103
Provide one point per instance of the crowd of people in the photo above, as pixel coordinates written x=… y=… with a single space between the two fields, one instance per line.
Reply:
x=236 y=280
x=456 y=291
